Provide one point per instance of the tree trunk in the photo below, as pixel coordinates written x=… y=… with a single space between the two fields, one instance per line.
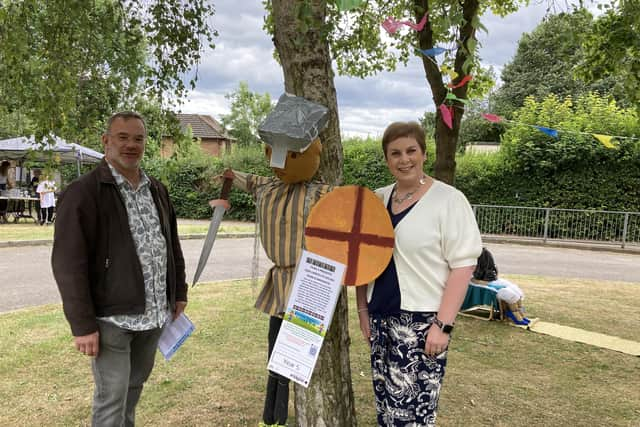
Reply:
x=304 y=54
x=446 y=139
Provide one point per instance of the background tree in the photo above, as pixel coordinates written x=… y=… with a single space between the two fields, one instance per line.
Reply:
x=248 y=110
x=475 y=128
x=612 y=49
x=65 y=65
x=545 y=62
x=361 y=50
x=299 y=30
x=13 y=124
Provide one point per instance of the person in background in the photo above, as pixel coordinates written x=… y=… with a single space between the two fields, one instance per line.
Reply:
x=4 y=179
x=35 y=180
x=119 y=268
x=33 y=187
x=486 y=273
x=4 y=174
x=408 y=313
x=46 y=190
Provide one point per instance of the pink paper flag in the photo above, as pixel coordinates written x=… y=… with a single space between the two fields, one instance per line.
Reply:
x=492 y=118
x=462 y=82
x=392 y=25
x=446 y=116
x=420 y=25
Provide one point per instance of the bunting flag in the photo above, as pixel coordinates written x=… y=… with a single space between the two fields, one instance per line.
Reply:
x=391 y=25
x=434 y=51
x=466 y=79
x=604 y=139
x=452 y=97
x=346 y=5
x=492 y=117
x=447 y=115
x=548 y=131
x=448 y=71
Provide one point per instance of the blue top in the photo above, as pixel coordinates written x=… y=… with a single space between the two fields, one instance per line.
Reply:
x=385 y=300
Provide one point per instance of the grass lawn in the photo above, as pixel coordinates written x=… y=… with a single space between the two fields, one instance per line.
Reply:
x=31 y=231
x=497 y=375
x=233 y=227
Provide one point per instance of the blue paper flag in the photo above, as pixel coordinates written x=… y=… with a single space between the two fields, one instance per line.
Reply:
x=433 y=51
x=550 y=132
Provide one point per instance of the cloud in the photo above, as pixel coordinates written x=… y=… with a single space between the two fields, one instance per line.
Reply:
x=203 y=102
x=244 y=52
x=499 y=44
x=371 y=122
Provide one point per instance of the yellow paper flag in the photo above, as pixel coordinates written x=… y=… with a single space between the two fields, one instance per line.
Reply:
x=605 y=139
x=449 y=71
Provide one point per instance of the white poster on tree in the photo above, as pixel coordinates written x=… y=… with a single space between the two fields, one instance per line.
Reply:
x=314 y=294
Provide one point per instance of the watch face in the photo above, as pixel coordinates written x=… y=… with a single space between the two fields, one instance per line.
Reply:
x=447 y=329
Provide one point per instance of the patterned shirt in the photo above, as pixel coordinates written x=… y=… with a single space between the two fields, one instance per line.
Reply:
x=151 y=247
x=281 y=211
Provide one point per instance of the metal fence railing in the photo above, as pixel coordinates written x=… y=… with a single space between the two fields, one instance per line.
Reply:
x=606 y=227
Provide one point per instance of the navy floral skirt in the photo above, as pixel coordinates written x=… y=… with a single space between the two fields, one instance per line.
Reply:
x=406 y=381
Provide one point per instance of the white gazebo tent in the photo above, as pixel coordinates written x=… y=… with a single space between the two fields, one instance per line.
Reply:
x=23 y=148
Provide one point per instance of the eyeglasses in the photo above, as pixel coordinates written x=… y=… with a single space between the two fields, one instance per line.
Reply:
x=125 y=137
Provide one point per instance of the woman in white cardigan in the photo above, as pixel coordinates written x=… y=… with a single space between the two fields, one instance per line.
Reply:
x=408 y=313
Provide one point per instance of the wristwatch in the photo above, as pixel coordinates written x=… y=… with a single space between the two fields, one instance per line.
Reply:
x=444 y=327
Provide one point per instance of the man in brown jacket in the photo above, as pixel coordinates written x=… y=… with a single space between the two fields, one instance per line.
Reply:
x=119 y=268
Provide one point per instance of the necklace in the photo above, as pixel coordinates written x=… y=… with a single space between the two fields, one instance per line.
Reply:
x=409 y=195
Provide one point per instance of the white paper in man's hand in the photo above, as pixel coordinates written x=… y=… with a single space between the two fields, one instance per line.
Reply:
x=174 y=335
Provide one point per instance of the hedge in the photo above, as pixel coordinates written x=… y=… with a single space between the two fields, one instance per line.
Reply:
x=610 y=182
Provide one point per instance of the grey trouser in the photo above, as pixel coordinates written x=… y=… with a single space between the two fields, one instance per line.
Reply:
x=124 y=363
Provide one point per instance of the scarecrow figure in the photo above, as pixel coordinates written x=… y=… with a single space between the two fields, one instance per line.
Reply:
x=283 y=203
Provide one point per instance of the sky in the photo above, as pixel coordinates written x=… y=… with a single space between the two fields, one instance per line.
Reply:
x=244 y=52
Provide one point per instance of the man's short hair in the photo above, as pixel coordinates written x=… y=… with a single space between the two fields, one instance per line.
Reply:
x=126 y=115
x=403 y=129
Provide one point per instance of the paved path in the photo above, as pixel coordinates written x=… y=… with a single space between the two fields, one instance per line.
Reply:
x=26 y=278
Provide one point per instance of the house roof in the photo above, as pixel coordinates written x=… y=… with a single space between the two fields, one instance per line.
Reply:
x=203 y=126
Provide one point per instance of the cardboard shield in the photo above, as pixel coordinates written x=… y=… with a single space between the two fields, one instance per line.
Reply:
x=351 y=225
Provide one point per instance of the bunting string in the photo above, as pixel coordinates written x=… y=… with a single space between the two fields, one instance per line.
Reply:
x=392 y=25
x=605 y=140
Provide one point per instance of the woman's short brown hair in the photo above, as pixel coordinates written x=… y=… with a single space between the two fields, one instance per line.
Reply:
x=403 y=129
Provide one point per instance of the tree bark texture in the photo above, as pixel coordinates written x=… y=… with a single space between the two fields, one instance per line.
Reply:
x=304 y=54
x=308 y=72
x=446 y=139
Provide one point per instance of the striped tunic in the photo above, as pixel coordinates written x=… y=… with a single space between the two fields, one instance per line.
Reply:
x=281 y=213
